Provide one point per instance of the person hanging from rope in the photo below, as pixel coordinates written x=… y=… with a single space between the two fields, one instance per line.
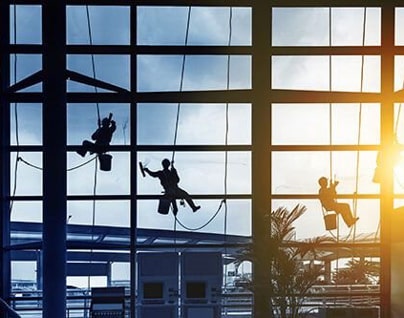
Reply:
x=385 y=160
x=102 y=137
x=328 y=194
x=169 y=180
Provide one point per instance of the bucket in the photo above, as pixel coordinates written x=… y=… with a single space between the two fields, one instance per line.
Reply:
x=164 y=206
x=330 y=221
x=105 y=162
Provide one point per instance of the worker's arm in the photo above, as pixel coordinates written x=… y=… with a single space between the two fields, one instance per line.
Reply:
x=153 y=174
x=113 y=126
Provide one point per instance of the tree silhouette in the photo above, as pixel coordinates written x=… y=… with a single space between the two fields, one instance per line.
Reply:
x=292 y=268
x=359 y=271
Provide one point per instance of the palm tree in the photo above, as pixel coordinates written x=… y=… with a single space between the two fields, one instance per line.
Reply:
x=290 y=280
x=359 y=271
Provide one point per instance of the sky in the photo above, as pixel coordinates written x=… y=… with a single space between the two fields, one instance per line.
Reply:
x=204 y=124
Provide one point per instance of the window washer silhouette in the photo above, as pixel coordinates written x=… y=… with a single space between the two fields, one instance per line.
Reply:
x=327 y=196
x=102 y=137
x=383 y=162
x=169 y=180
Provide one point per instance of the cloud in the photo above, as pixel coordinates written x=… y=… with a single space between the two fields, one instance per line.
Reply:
x=108 y=25
x=167 y=26
x=28 y=24
x=203 y=172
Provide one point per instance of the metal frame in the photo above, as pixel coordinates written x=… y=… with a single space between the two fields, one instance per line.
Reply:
x=5 y=271
x=261 y=96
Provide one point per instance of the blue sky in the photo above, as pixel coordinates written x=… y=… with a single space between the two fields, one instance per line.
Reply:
x=203 y=173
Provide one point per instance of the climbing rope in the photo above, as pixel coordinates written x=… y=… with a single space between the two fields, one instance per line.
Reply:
x=224 y=201
x=330 y=89
x=226 y=134
x=355 y=201
x=17 y=139
x=69 y=169
x=16 y=120
x=330 y=119
x=177 y=120
x=93 y=218
x=90 y=37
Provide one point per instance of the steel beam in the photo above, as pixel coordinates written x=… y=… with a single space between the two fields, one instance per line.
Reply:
x=387 y=141
x=4 y=152
x=261 y=156
x=54 y=158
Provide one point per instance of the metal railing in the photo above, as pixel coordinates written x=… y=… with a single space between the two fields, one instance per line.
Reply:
x=234 y=302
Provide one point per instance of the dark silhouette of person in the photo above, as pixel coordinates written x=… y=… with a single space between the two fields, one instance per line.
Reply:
x=382 y=162
x=169 y=180
x=102 y=137
x=328 y=194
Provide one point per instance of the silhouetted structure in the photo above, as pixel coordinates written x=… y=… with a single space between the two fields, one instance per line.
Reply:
x=102 y=137
x=169 y=180
x=383 y=163
x=327 y=196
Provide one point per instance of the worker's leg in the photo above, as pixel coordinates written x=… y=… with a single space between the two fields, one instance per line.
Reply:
x=345 y=210
x=86 y=146
x=182 y=194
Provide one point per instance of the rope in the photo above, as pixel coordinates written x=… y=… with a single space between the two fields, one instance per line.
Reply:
x=18 y=157
x=330 y=117
x=81 y=165
x=177 y=120
x=124 y=126
x=17 y=138
x=90 y=36
x=226 y=143
x=93 y=219
x=330 y=89
x=205 y=224
x=99 y=124
x=181 y=82
x=330 y=127
x=355 y=201
x=68 y=169
x=224 y=201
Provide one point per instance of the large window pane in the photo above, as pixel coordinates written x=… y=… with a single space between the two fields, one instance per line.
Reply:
x=298 y=172
x=107 y=25
x=298 y=124
x=26 y=124
x=84 y=179
x=198 y=124
x=201 y=72
x=25 y=24
x=201 y=172
x=167 y=26
x=112 y=69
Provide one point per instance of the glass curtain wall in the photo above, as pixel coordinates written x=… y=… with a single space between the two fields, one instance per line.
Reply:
x=252 y=114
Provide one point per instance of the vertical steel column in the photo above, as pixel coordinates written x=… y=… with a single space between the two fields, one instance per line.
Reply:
x=54 y=158
x=387 y=141
x=261 y=155
x=39 y=276
x=134 y=159
x=5 y=280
